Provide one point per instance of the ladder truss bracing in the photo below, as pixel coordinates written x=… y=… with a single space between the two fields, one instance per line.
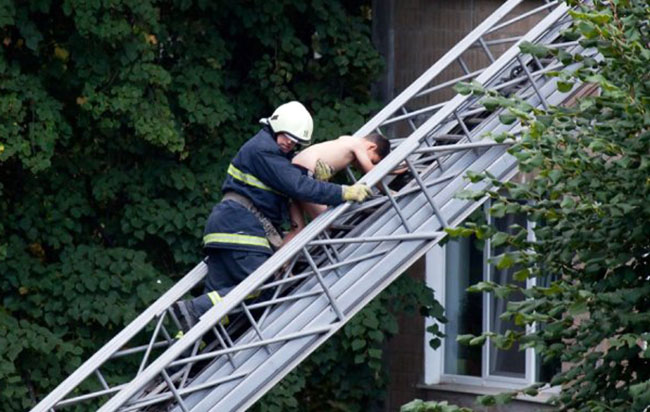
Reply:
x=308 y=289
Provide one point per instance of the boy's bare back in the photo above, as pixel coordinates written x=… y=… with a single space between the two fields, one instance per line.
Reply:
x=337 y=153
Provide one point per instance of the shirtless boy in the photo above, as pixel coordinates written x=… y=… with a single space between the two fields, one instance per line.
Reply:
x=326 y=159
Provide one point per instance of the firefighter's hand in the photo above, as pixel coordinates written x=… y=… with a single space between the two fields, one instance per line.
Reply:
x=357 y=193
x=323 y=171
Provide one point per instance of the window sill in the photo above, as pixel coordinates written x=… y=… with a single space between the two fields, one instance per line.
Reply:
x=543 y=396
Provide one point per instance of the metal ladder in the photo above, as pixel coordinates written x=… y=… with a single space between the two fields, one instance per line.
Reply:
x=308 y=290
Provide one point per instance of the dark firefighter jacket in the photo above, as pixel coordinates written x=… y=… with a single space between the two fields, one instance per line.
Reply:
x=264 y=174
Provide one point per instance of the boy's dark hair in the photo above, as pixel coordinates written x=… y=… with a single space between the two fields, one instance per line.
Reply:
x=383 y=145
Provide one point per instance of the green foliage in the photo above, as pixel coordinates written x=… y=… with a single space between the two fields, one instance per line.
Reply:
x=588 y=196
x=348 y=372
x=117 y=122
x=284 y=396
x=419 y=405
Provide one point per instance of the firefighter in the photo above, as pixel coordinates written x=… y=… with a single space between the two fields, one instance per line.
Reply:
x=241 y=232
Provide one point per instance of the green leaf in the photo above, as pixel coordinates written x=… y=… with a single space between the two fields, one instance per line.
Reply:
x=587 y=29
x=483 y=286
x=555 y=175
x=459 y=232
x=568 y=203
x=474 y=177
x=7 y=13
x=493 y=102
x=473 y=87
x=499 y=239
x=486 y=400
x=522 y=275
x=31 y=33
x=504 y=398
x=506 y=261
x=536 y=50
x=498 y=210
x=503 y=342
x=464 y=339
x=358 y=344
x=507 y=118
x=564 y=87
x=477 y=341
x=531 y=391
x=565 y=57
x=435 y=343
x=578 y=308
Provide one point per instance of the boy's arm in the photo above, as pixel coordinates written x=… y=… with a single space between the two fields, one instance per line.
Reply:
x=363 y=162
x=401 y=169
x=362 y=158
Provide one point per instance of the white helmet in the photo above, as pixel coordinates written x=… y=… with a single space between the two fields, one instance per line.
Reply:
x=293 y=119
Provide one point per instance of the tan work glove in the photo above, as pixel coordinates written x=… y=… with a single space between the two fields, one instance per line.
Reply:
x=356 y=193
x=323 y=171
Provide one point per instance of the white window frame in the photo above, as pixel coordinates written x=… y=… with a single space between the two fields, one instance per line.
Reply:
x=435 y=273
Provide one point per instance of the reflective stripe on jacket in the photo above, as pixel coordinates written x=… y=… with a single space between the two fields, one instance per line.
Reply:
x=249 y=179
x=235 y=238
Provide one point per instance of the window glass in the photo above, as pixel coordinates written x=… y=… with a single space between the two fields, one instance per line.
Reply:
x=546 y=370
x=511 y=362
x=464 y=267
